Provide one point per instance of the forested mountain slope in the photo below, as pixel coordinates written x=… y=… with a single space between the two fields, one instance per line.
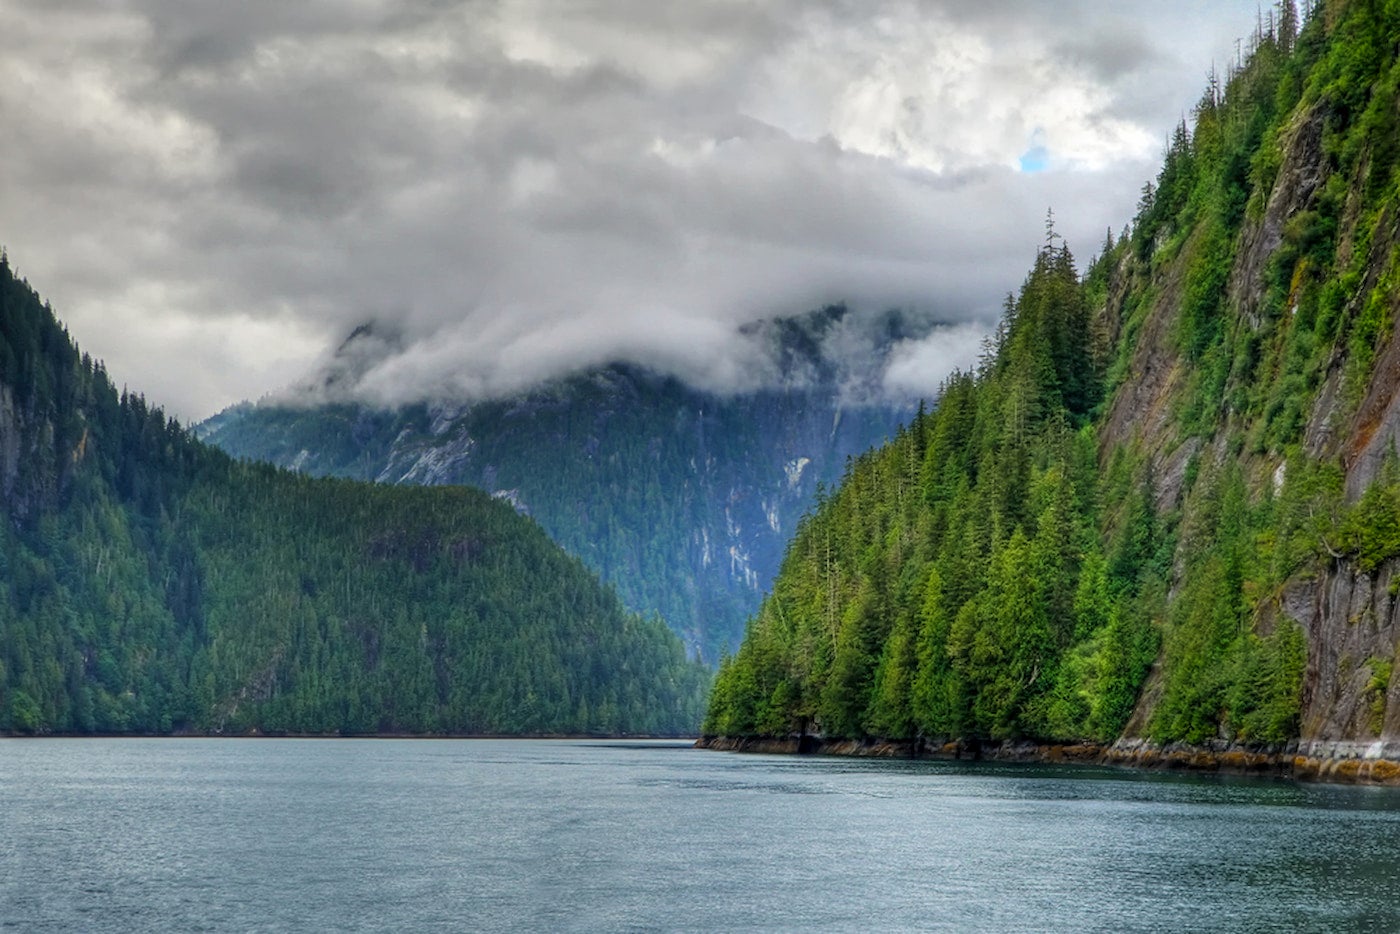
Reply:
x=1166 y=504
x=682 y=499
x=151 y=584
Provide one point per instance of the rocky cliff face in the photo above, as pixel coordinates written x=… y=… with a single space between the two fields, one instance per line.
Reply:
x=1329 y=175
x=1204 y=569
x=1350 y=614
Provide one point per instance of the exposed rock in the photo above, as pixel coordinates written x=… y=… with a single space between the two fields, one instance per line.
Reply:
x=1141 y=409
x=1375 y=429
x=1299 y=179
x=1351 y=763
x=1171 y=477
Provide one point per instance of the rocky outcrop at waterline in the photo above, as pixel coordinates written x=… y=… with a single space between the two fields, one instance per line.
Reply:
x=1375 y=763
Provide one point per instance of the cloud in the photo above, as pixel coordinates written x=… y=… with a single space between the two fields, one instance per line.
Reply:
x=214 y=195
x=918 y=368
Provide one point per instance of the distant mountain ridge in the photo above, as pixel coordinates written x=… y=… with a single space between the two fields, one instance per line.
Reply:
x=681 y=498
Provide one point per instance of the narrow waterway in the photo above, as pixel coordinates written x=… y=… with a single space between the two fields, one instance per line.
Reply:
x=235 y=835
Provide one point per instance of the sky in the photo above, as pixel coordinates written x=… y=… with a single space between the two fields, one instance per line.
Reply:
x=213 y=195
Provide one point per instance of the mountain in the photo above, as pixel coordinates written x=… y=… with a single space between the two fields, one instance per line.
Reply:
x=151 y=584
x=1166 y=509
x=682 y=499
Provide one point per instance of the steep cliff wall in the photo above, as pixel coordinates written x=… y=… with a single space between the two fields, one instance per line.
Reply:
x=1333 y=175
x=1198 y=562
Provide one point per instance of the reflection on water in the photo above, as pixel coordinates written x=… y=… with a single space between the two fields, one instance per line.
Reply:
x=554 y=835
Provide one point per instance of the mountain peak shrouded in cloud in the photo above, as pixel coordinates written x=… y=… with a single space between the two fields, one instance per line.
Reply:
x=891 y=357
x=220 y=193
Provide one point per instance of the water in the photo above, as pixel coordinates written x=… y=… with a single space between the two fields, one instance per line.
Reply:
x=351 y=835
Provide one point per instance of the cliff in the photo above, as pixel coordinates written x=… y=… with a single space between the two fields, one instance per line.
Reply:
x=1319 y=242
x=1168 y=531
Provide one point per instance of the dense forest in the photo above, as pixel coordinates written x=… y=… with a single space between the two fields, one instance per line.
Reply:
x=152 y=584
x=1165 y=503
x=682 y=499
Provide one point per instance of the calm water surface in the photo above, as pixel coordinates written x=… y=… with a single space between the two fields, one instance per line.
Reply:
x=349 y=835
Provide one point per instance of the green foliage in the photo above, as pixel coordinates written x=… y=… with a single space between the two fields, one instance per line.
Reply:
x=1203 y=297
x=1306 y=516
x=1265 y=689
x=1330 y=284
x=1370 y=529
x=150 y=584
x=940 y=590
x=1210 y=615
x=1035 y=572
x=1373 y=321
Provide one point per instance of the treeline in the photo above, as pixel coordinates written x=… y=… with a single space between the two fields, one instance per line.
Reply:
x=957 y=584
x=1014 y=564
x=151 y=584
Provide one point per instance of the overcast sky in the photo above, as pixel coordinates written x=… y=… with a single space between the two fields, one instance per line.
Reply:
x=214 y=194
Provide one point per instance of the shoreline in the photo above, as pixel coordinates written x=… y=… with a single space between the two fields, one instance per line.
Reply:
x=1337 y=762
x=611 y=737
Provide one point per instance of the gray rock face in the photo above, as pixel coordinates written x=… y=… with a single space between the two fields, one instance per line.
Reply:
x=1350 y=704
x=1351 y=626
x=1298 y=182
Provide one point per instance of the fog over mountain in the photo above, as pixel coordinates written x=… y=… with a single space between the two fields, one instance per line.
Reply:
x=218 y=194
x=869 y=358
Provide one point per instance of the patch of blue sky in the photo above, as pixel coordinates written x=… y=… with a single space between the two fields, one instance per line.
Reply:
x=1035 y=159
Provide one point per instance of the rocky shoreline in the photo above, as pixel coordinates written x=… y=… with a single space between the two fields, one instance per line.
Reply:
x=1375 y=763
